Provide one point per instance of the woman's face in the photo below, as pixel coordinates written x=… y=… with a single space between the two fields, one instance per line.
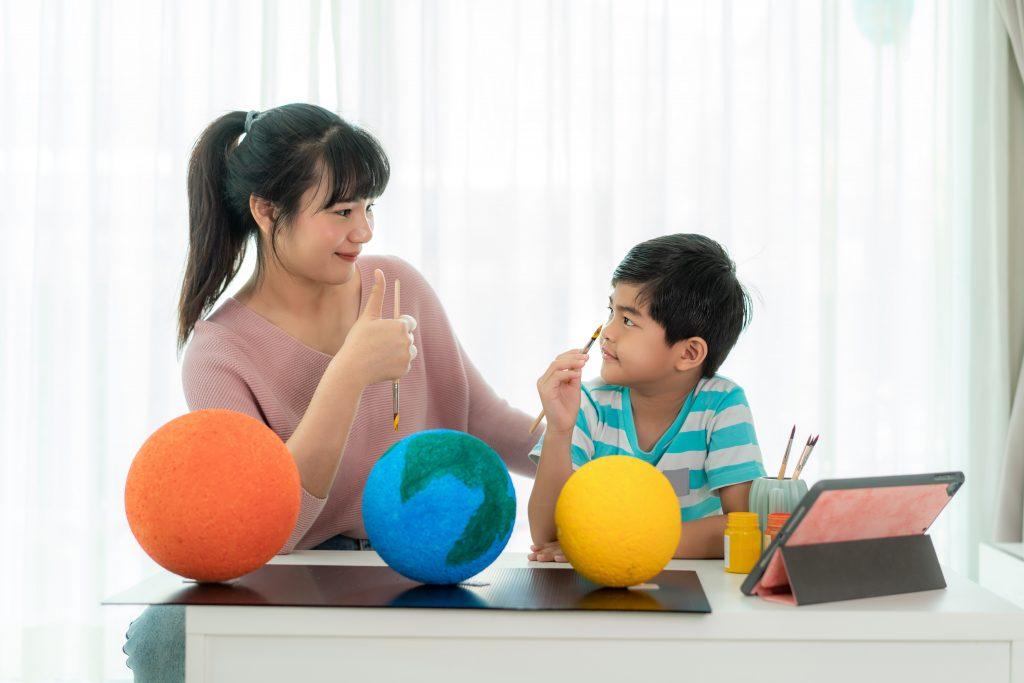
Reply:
x=322 y=244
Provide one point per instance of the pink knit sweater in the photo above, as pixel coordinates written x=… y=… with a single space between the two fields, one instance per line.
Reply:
x=239 y=360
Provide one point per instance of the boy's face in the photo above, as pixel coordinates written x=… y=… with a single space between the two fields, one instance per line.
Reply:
x=633 y=346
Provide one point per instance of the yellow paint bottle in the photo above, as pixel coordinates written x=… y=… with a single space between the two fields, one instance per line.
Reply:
x=742 y=542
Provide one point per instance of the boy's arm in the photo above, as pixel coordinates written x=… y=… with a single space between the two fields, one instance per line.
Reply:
x=553 y=471
x=702 y=538
x=560 y=391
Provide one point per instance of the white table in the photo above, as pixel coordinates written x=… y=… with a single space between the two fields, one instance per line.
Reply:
x=1001 y=570
x=963 y=633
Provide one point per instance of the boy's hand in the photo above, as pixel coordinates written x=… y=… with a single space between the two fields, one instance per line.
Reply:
x=559 y=390
x=549 y=552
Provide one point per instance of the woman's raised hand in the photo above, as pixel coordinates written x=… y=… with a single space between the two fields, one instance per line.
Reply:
x=378 y=349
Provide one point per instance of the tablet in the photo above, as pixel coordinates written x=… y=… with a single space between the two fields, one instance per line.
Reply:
x=837 y=510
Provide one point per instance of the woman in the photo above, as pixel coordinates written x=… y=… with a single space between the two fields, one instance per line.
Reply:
x=309 y=344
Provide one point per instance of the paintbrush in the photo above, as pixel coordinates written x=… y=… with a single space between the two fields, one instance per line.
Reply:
x=394 y=386
x=593 y=338
x=785 y=458
x=811 y=443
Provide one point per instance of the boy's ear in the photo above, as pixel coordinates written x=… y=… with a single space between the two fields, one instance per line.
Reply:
x=690 y=353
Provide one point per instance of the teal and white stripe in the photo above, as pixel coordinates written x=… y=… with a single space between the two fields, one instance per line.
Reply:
x=710 y=445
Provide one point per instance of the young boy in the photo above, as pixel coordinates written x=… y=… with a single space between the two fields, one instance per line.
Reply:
x=676 y=310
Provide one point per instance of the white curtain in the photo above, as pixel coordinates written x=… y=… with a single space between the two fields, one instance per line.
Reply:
x=1010 y=507
x=850 y=154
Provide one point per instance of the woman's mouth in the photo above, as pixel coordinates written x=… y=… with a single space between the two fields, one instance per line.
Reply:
x=347 y=257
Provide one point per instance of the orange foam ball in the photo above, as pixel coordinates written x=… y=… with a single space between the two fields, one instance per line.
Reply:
x=212 y=495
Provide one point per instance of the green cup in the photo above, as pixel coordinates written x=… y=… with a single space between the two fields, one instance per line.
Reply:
x=769 y=494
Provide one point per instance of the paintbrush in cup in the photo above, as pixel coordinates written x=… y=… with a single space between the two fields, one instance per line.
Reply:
x=785 y=458
x=811 y=443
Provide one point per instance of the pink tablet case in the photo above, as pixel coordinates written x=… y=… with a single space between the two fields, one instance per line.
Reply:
x=846 y=535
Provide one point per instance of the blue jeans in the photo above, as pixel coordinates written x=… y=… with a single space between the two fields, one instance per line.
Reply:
x=155 y=641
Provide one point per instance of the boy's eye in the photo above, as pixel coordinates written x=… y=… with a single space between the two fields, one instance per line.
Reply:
x=369 y=208
x=625 y=321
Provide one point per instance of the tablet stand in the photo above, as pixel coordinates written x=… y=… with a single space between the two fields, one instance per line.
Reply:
x=846 y=570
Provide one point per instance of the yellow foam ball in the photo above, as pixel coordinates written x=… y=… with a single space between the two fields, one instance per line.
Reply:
x=618 y=521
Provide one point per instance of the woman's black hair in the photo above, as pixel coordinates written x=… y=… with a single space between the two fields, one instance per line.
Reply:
x=285 y=151
x=689 y=285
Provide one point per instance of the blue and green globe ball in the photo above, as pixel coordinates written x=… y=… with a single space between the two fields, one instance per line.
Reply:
x=439 y=506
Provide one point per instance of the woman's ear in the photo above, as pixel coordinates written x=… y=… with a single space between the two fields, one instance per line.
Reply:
x=691 y=353
x=263 y=212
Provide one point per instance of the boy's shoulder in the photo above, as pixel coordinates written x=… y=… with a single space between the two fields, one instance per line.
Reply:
x=718 y=383
x=717 y=393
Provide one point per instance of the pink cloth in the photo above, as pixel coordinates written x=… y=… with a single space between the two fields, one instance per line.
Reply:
x=241 y=361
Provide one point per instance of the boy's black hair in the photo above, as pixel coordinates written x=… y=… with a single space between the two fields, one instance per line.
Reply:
x=689 y=285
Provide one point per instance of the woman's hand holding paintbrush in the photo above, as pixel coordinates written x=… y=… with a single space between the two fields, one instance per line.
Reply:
x=376 y=348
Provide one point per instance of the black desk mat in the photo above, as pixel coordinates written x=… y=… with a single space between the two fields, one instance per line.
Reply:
x=521 y=588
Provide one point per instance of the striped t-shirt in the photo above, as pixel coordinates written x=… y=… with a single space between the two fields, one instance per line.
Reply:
x=711 y=443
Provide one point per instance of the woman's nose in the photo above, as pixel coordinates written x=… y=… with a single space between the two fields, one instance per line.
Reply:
x=362 y=233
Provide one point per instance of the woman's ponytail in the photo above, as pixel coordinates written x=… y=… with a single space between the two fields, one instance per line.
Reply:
x=217 y=233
